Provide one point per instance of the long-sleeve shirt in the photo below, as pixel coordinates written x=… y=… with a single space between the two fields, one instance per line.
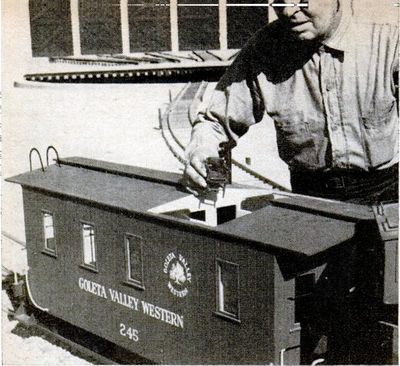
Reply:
x=333 y=103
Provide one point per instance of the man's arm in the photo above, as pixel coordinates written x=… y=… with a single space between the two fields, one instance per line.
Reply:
x=395 y=79
x=234 y=107
x=395 y=68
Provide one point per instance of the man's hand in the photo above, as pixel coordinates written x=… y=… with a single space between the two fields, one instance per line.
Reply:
x=205 y=142
x=195 y=173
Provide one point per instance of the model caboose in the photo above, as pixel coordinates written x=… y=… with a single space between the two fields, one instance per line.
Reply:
x=251 y=277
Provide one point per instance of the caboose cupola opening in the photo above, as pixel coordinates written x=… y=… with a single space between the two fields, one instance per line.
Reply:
x=198 y=215
x=214 y=208
x=226 y=213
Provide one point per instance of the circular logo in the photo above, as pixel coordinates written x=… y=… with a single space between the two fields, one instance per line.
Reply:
x=179 y=275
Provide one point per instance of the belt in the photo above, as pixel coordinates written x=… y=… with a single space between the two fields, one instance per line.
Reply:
x=341 y=179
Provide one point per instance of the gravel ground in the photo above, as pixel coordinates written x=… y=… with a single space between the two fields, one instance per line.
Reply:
x=18 y=350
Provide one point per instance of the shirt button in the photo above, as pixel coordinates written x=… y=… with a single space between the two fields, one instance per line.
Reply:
x=329 y=85
x=334 y=127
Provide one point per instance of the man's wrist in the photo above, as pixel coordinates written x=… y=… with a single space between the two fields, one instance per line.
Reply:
x=206 y=136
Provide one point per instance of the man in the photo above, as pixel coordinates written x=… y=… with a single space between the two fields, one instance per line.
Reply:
x=328 y=82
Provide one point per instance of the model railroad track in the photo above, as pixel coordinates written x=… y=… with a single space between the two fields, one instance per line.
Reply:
x=178 y=119
x=170 y=138
x=34 y=322
x=13 y=239
x=147 y=67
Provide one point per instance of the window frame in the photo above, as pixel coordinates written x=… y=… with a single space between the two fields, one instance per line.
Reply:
x=46 y=249
x=128 y=279
x=218 y=312
x=90 y=267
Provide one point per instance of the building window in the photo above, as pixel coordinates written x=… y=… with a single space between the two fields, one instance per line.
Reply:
x=198 y=26
x=50 y=27
x=149 y=26
x=100 y=26
x=244 y=21
x=228 y=289
x=66 y=27
x=134 y=260
x=89 y=246
x=48 y=233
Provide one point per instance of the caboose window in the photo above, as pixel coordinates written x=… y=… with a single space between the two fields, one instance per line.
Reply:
x=89 y=246
x=134 y=260
x=48 y=233
x=228 y=289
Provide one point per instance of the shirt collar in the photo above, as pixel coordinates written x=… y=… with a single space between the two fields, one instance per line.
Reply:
x=340 y=39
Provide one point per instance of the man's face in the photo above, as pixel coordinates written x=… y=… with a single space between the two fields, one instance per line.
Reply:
x=318 y=20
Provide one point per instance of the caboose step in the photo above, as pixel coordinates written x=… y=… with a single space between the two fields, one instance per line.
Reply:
x=22 y=316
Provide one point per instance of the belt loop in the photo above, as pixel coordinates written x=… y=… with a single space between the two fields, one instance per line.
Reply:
x=343 y=183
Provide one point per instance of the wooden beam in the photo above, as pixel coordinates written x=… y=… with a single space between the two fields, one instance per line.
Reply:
x=125 y=27
x=223 y=25
x=76 y=37
x=173 y=11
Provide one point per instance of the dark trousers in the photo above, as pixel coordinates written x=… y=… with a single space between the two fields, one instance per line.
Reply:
x=349 y=185
x=341 y=321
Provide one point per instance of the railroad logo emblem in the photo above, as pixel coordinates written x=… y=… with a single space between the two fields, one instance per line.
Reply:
x=179 y=275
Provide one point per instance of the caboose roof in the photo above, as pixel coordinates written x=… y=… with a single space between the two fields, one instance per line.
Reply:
x=303 y=226
x=130 y=188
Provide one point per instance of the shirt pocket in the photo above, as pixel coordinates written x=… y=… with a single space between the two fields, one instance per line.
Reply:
x=380 y=133
x=292 y=128
x=378 y=121
x=295 y=141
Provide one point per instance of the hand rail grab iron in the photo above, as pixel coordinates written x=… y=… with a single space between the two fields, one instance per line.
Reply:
x=51 y=147
x=30 y=158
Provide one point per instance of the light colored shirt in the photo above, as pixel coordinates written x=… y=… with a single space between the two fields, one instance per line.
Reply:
x=333 y=104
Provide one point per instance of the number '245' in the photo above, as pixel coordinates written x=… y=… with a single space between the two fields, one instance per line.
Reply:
x=129 y=332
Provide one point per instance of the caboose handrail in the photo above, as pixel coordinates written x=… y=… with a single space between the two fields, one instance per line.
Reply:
x=51 y=147
x=318 y=361
x=282 y=353
x=30 y=158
